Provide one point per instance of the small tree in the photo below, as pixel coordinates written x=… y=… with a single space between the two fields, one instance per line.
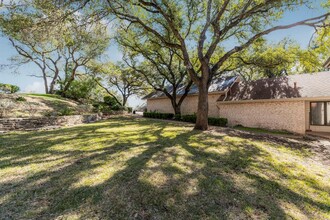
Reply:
x=161 y=68
x=116 y=79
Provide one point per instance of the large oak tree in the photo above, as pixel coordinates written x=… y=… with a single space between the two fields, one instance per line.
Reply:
x=204 y=26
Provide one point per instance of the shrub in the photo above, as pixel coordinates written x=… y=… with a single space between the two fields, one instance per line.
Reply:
x=66 y=111
x=186 y=118
x=218 y=121
x=129 y=109
x=109 y=100
x=158 y=115
x=107 y=110
x=177 y=117
x=20 y=99
x=211 y=120
x=115 y=107
x=189 y=118
x=8 y=88
x=97 y=107
x=102 y=107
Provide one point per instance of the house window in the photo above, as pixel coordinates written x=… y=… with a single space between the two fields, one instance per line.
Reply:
x=320 y=113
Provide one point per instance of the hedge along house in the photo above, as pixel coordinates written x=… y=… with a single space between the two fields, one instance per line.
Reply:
x=159 y=102
x=296 y=103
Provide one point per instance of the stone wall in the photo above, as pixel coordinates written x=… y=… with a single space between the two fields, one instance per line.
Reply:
x=189 y=105
x=278 y=115
x=8 y=124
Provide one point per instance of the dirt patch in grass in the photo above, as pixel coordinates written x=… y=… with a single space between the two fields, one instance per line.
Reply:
x=136 y=168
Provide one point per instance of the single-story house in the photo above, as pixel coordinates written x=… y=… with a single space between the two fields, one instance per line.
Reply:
x=158 y=101
x=296 y=103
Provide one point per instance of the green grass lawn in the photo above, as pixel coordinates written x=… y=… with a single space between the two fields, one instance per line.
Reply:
x=139 y=168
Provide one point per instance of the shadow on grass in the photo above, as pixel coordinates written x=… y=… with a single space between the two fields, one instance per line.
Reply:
x=138 y=169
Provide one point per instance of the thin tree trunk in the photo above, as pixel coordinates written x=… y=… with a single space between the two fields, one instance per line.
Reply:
x=53 y=83
x=202 y=110
x=45 y=83
x=177 y=109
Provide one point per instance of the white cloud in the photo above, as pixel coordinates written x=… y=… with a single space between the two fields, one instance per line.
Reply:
x=35 y=87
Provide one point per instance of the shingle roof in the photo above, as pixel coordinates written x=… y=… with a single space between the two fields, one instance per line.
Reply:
x=327 y=63
x=293 y=86
x=217 y=85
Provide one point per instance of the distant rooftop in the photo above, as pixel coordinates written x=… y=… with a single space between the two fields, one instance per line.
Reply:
x=217 y=85
x=293 y=86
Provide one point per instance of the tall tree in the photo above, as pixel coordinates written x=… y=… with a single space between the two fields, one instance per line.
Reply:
x=82 y=45
x=161 y=67
x=203 y=26
x=270 y=60
x=117 y=78
x=58 y=50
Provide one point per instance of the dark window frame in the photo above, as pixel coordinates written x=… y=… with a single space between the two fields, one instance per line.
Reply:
x=326 y=109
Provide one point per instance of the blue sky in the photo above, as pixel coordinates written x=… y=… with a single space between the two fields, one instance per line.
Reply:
x=33 y=84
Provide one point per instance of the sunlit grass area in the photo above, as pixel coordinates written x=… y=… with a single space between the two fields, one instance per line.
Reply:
x=139 y=168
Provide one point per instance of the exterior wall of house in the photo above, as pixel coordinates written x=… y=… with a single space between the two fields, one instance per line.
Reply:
x=278 y=115
x=189 y=105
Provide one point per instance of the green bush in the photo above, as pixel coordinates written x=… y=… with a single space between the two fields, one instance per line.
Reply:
x=66 y=111
x=109 y=100
x=129 y=109
x=177 y=117
x=158 y=115
x=8 y=88
x=186 y=118
x=115 y=107
x=97 y=107
x=102 y=107
x=218 y=121
x=211 y=120
x=20 y=99
x=81 y=89
x=189 y=118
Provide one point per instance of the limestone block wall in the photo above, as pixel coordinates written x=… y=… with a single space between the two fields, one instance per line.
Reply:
x=8 y=124
x=189 y=105
x=278 y=115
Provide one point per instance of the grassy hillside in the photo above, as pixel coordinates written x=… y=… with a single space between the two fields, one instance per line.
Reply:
x=37 y=105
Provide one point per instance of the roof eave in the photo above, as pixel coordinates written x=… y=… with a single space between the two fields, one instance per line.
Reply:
x=327 y=63
x=319 y=98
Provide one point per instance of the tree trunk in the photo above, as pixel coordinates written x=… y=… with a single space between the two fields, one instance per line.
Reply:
x=177 y=109
x=124 y=101
x=203 y=107
x=53 y=83
x=52 y=87
x=45 y=83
